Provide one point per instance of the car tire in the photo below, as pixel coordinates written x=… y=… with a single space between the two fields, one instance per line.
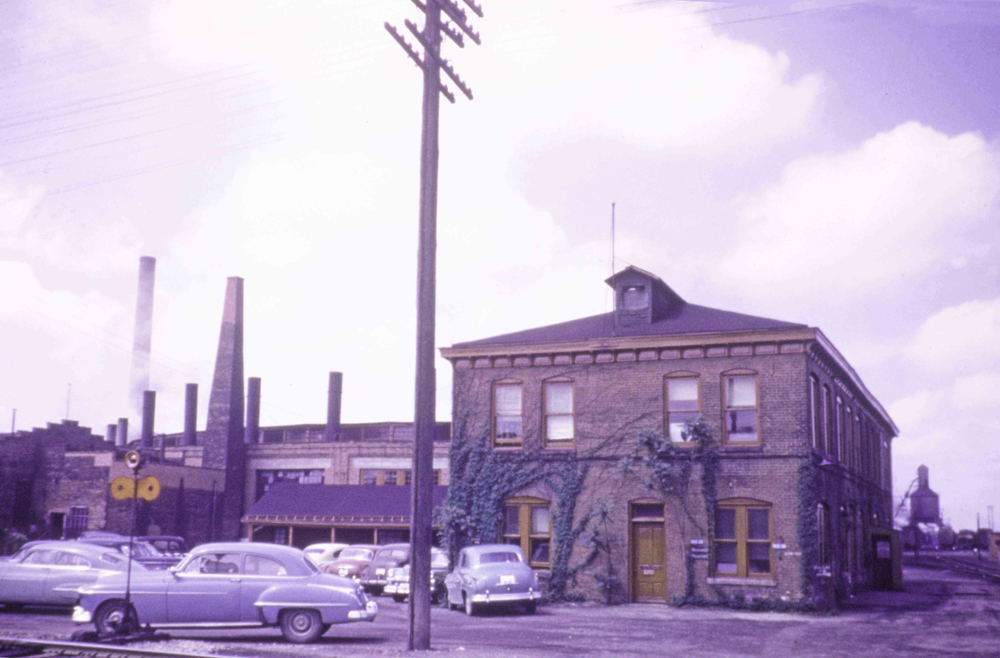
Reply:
x=376 y=590
x=301 y=626
x=530 y=607
x=470 y=606
x=399 y=598
x=112 y=618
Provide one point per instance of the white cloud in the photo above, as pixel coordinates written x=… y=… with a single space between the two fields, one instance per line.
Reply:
x=958 y=338
x=17 y=202
x=978 y=391
x=852 y=225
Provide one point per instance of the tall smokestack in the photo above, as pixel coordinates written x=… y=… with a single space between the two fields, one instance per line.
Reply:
x=253 y=410
x=121 y=439
x=190 y=414
x=334 y=393
x=112 y=431
x=148 y=412
x=142 y=342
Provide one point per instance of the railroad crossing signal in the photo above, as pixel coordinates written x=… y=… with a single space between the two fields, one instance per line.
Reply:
x=124 y=487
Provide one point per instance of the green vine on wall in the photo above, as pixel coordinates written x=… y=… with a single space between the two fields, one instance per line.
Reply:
x=665 y=468
x=808 y=527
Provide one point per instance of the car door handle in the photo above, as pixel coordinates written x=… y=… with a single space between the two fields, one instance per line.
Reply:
x=234 y=580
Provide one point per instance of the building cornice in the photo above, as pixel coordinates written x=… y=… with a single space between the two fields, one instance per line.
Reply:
x=629 y=343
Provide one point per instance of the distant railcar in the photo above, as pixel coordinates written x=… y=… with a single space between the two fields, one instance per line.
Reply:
x=946 y=539
x=965 y=540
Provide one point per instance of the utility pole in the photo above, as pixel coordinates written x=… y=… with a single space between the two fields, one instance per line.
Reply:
x=421 y=503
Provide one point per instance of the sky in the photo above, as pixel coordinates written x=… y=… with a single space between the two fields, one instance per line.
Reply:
x=828 y=162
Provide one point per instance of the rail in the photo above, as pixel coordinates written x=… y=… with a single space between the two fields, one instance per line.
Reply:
x=987 y=569
x=17 y=646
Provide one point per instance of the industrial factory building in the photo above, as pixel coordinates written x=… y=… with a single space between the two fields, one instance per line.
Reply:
x=55 y=481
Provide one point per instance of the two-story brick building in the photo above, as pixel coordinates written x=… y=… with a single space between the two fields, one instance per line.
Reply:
x=788 y=498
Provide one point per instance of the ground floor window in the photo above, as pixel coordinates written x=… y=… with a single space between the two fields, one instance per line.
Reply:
x=526 y=524
x=743 y=539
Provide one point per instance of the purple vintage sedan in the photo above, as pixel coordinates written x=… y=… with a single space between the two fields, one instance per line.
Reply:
x=491 y=574
x=50 y=572
x=230 y=585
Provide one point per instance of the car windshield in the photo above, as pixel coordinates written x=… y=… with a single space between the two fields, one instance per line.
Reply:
x=392 y=552
x=310 y=566
x=499 y=556
x=356 y=554
x=314 y=551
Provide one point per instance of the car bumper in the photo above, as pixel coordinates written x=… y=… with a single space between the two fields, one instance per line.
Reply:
x=81 y=615
x=368 y=614
x=506 y=597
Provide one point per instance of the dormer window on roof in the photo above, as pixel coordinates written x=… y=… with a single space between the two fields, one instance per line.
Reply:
x=635 y=298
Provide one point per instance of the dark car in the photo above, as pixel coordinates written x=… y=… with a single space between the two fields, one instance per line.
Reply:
x=352 y=561
x=142 y=552
x=171 y=545
x=398 y=585
x=387 y=557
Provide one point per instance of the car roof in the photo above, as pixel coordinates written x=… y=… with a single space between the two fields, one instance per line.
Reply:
x=81 y=548
x=326 y=546
x=277 y=550
x=393 y=546
x=491 y=548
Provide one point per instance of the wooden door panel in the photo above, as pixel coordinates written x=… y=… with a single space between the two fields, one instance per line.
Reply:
x=649 y=573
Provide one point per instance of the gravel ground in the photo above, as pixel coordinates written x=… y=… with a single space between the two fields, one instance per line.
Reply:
x=938 y=614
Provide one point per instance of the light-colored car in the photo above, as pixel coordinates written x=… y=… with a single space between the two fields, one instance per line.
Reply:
x=492 y=574
x=320 y=554
x=50 y=572
x=398 y=578
x=352 y=561
x=227 y=585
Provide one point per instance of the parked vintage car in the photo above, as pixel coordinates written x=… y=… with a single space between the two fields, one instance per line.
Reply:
x=320 y=554
x=233 y=584
x=142 y=551
x=352 y=561
x=398 y=578
x=386 y=557
x=170 y=545
x=50 y=572
x=491 y=574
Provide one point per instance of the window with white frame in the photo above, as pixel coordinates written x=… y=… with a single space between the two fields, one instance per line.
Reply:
x=741 y=409
x=559 y=421
x=683 y=406
x=507 y=415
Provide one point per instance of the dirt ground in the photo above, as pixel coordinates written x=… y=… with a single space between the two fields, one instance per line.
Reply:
x=938 y=614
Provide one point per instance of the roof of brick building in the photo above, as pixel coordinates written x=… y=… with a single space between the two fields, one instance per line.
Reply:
x=338 y=500
x=686 y=319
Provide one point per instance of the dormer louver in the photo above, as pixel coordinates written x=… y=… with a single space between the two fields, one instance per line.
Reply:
x=642 y=298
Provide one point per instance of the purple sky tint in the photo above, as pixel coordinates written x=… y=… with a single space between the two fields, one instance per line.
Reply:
x=828 y=162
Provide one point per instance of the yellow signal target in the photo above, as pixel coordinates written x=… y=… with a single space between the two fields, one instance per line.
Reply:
x=149 y=488
x=122 y=487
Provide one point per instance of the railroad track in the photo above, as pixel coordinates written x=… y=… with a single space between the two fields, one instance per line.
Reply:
x=986 y=569
x=13 y=647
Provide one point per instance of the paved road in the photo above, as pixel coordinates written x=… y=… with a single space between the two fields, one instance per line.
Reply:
x=939 y=614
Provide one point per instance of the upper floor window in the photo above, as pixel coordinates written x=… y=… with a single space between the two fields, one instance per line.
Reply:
x=741 y=409
x=831 y=445
x=816 y=413
x=743 y=539
x=507 y=419
x=559 y=421
x=683 y=406
x=526 y=524
x=838 y=420
x=635 y=298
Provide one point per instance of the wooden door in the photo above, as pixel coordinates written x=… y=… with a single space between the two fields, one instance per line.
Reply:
x=649 y=572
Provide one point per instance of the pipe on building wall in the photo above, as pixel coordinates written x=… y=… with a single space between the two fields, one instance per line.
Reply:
x=253 y=411
x=112 y=431
x=190 y=414
x=121 y=438
x=334 y=393
x=148 y=412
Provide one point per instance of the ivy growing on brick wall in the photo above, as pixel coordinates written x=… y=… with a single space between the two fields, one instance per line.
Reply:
x=808 y=527
x=482 y=478
x=665 y=468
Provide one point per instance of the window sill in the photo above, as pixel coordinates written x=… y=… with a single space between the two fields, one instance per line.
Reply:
x=743 y=446
x=758 y=582
x=560 y=446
